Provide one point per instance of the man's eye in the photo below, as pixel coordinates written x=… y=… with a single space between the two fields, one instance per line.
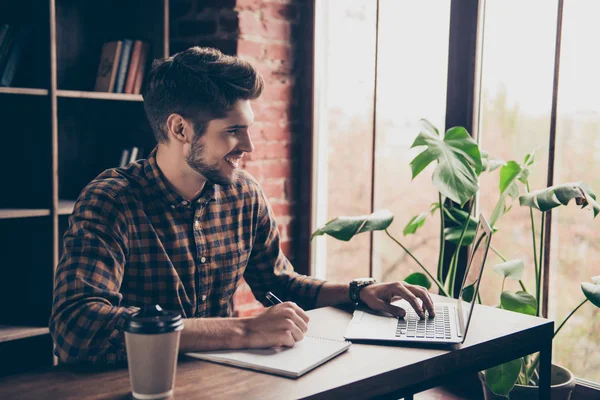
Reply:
x=232 y=131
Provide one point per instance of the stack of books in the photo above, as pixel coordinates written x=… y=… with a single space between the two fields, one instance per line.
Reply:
x=122 y=66
x=13 y=39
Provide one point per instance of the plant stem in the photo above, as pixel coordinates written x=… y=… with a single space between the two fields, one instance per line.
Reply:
x=442 y=240
x=523 y=286
x=497 y=253
x=532 y=367
x=535 y=259
x=439 y=285
x=454 y=261
x=541 y=259
x=569 y=316
x=503 y=280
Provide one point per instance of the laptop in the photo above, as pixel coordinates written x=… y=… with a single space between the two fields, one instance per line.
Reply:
x=451 y=321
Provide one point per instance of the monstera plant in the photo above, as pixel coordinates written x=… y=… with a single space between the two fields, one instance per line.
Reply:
x=459 y=165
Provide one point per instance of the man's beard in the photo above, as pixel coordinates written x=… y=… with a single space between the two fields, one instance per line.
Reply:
x=212 y=172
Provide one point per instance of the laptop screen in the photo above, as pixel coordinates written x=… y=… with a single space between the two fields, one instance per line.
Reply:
x=470 y=287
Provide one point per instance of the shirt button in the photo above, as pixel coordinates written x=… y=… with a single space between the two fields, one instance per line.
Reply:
x=185 y=203
x=173 y=206
x=203 y=259
x=203 y=297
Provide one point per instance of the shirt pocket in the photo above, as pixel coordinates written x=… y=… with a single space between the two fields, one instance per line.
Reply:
x=231 y=267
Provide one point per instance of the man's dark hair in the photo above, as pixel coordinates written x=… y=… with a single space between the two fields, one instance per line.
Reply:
x=199 y=83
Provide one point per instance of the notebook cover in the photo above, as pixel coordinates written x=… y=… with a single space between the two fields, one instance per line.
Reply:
x=290 y=362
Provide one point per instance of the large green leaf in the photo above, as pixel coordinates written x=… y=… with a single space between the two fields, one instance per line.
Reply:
x=510 y=174
x=554 y=196
x=418 y=220
x=488 y=164
x=456 y=221
x=418 y=278
x=502 y=378
x=592 y=290
x=468 y=292
x=521 y=302
x=458 y=157
x=512 y=269
x=344 y=228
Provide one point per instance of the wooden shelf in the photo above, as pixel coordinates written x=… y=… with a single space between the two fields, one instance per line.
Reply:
x=99 y=95
x=65 y=207
x=26 y=91
x=9 y=333
x=6 y=213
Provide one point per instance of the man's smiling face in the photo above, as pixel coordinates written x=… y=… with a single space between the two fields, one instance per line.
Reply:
x=216 y=153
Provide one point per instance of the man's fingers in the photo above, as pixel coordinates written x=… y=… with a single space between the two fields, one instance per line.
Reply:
x=300 y=312
x=423 y=294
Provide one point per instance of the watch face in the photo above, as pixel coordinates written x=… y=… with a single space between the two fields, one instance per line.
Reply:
x=363 y=281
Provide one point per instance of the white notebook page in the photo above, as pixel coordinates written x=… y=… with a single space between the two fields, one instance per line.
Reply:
x=291 y=362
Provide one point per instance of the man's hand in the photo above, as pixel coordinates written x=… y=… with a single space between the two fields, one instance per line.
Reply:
x=379 y=296
x=280 y=325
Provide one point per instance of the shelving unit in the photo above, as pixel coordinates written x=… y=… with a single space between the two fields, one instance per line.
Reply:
x=58 y=134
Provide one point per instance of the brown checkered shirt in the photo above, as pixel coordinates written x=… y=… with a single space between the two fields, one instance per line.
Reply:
x=133 y=241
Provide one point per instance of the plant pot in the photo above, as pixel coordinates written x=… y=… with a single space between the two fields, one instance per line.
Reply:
x=562 y=383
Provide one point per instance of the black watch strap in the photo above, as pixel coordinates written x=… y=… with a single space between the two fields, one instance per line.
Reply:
x=356 y=285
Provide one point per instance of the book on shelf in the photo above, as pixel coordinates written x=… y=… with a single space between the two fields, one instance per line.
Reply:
x=141 y=71
x=134 y=63
x=122 y=66
x=107 y=68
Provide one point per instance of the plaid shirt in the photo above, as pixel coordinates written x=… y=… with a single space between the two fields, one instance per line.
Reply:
x=133 y=241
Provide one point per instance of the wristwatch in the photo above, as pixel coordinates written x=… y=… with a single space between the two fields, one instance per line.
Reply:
x=355 y=287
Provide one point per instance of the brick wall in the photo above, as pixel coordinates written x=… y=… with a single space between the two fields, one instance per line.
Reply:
x=269 y=34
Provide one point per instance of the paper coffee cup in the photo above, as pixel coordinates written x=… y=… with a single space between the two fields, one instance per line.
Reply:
x=152 y=343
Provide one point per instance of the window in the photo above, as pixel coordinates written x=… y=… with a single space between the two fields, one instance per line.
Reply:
x=362 y=153
x=411 y=84
x=516 y=102
x=575 y=237
x=344 y=116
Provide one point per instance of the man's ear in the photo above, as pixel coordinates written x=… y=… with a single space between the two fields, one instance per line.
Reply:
x=179 y=129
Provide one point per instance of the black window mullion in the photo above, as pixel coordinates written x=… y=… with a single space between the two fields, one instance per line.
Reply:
x=460 y=94
x=551 y=158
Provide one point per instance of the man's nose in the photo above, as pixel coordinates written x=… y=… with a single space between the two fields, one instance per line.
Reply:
x=246 y=144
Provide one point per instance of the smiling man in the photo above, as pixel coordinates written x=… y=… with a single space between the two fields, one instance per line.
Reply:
x=182 y=227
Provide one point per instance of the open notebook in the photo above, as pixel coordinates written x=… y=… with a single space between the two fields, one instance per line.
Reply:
x=290 y=362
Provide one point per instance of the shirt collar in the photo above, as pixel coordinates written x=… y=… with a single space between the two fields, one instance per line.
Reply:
x=159 y=187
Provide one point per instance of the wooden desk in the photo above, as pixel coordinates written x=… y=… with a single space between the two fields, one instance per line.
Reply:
x=364 y=371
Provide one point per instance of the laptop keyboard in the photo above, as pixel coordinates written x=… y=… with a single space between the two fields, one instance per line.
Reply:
x=437 y=327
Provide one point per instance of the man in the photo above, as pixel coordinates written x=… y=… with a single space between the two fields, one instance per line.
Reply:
x=182 y=227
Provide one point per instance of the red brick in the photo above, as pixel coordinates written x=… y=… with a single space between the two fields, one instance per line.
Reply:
x=286 y=12
x=250 y=48
x=255 y=168
x=276 y=169
x=277 y=91
x=274 y=132
x=282 y=209
x=286 y=247
x=279 y=30
x=279 y=51
x=265 y=112
x=270 y=150
x=251 y=25
x=273 y=189
x=249 y=4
